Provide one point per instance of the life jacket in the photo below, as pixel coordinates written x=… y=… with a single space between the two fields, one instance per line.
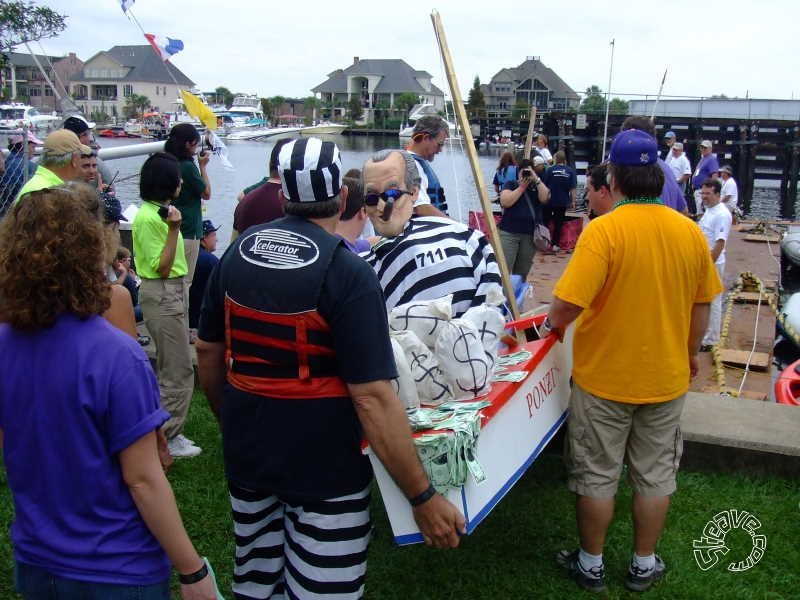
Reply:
x=434 y=189
x=289 y=353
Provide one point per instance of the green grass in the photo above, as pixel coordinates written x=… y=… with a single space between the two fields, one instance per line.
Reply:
x=510 y=555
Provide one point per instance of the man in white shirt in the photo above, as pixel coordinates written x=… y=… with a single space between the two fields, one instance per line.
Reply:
x=730 y=191
x=679 y=163
x=716 y=225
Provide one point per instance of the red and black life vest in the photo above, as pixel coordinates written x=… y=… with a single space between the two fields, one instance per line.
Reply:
x=278 y=344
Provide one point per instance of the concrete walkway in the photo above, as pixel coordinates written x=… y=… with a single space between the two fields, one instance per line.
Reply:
x=733 y=434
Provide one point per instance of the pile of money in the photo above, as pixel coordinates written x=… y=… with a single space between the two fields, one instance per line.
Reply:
x=448 y=450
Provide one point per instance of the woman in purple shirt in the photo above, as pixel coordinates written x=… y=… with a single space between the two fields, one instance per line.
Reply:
x=94 y=514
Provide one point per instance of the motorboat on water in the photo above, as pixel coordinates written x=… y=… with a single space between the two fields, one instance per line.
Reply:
x=245 y=111
x=423 y=110
x=116 y=131
x=262 y=133
x=17 y=115
x=323 y=127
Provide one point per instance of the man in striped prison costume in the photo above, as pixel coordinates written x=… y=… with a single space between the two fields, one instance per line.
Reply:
x=423 y=258
x=295 y=359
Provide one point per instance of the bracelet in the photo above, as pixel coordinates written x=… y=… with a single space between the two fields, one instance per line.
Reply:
x=191 y=578
x=424 y=496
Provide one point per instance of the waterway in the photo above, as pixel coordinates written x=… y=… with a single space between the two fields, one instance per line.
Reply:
x=250 y=165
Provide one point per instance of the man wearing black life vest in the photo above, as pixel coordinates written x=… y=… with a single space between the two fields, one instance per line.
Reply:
x=427 y=140
x=295 y=359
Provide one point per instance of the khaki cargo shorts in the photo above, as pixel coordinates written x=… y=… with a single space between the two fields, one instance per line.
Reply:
x=603 y=434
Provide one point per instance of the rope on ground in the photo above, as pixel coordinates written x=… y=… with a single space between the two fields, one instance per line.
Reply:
x=719 y=368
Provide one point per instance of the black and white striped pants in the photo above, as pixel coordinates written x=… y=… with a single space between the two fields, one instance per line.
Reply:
x=311 y=549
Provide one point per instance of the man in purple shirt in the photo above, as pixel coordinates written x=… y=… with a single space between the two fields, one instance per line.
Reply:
x=671 y=194
x=707 y=167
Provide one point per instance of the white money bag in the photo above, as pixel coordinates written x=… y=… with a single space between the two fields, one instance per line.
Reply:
x=490 y=324
x=404 y=384
x=423 y=318
x=432 y=385
x=461 y=356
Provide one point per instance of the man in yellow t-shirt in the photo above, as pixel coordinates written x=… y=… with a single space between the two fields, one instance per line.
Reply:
x=639 y=284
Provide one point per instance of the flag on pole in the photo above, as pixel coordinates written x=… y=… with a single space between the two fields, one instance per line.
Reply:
x=126 y=4
x=198 y=109
x=165 y=47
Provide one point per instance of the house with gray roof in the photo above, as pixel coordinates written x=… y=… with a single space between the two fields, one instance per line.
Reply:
x=23 y=80
x=377 y=83
x=110 y=76
x=531 y=83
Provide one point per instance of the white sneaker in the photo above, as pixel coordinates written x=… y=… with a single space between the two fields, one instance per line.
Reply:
x=180 y=447
x=187 y=440
x=556 y=248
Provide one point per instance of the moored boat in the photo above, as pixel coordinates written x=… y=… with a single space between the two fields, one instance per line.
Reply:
x=323 y=127
x=422 y=110
x=17 y=115
x=113 y=132
x=261 y=133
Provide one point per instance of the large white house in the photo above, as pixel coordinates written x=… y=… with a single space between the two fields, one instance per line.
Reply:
x=377 y=83
x=110 y=76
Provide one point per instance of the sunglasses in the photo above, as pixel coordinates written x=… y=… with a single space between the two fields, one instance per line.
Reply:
x=372 y=198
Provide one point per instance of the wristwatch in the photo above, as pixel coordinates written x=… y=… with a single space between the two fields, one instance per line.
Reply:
x=545 y=328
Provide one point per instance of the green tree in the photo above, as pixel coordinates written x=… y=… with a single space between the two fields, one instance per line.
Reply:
x=354 y=109
x=223 y=95
x=266 y=108
x=135 y=105
x=476 y=101
x=381 y=112
x=594 y=102
x=618 y=106
x=520 y=111
x=22 y=22
x=312 y=104
x=405 y=101
x=277 y=103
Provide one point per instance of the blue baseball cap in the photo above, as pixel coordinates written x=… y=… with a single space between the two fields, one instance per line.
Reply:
x=208 y=226
x=669 y=134
x=633 y=148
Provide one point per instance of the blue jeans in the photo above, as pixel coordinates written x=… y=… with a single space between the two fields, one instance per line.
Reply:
x=35 y=583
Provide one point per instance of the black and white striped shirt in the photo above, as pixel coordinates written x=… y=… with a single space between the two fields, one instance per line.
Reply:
x=434 y=257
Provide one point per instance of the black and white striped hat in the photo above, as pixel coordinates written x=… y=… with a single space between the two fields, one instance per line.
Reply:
x=310 y=170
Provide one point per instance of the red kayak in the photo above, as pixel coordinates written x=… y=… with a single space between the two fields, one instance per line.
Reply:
x=787 y=386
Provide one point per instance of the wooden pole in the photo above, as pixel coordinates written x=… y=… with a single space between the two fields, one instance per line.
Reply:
x=526 y=153
x=472 y=155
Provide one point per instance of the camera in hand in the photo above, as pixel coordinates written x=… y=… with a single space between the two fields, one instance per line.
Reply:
x=527 y=173
x=163 y=212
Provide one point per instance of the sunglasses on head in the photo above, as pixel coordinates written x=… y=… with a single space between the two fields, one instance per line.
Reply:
x=372 y=198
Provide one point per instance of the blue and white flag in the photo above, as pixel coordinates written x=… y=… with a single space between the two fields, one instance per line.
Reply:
x=126 y=4
x=165 y=47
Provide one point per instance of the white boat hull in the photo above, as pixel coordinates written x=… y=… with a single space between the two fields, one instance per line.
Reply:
x=323 y=128
x=527 y=416
x=262 y=133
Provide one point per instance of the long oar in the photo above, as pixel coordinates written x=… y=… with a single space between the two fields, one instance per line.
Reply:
x=660 y=89
x=472 y=155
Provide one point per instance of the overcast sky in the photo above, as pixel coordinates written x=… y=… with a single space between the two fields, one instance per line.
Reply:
x=286 y=48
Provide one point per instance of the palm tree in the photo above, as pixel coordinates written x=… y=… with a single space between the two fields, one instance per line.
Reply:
x=136 y=104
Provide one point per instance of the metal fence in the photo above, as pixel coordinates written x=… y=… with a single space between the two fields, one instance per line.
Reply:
x=18 y=165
